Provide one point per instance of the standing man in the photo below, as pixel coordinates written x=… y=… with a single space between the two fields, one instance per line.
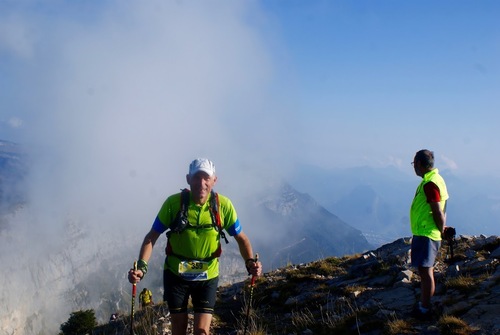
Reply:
x=195 y=220
x=428 y=219
x=146 y=298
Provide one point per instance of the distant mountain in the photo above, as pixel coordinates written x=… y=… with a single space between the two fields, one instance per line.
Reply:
x=12 y=163
x=377 y=200
x=13 y=169
x=301 y=230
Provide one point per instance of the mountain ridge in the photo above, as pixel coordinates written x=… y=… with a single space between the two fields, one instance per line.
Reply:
x=372 y=293
x=383 y=215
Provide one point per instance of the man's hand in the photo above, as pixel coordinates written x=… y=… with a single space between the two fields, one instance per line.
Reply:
x=135 y=276
x=253 y=267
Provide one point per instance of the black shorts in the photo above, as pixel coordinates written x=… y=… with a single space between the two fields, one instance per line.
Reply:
x=424 y=251
x=177 y=291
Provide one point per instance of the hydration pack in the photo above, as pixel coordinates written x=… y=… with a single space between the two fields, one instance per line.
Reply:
x=181 y=223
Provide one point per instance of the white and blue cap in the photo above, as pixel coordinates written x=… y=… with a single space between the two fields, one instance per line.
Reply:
x=202 y=164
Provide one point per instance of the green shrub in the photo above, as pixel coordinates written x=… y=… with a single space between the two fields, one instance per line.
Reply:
x=79 y=323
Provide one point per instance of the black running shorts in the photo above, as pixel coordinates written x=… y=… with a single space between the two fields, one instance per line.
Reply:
x=177 y=291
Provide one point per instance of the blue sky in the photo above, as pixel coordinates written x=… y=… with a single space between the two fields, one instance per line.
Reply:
x=382 y=78
x=114 y=98
x=332 y=83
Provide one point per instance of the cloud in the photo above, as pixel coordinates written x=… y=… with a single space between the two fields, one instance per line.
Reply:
x=116 y=98
x=122 y=98
x=15 y=122
x=396 y=161
x=16 y=37
x=449 y=163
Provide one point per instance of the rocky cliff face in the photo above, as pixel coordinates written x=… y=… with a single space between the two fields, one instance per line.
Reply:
x=369 y=293
x=44 y=277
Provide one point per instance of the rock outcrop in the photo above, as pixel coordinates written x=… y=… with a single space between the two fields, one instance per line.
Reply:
x=370 y=293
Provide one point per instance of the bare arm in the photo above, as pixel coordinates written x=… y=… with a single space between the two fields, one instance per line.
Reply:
x=148 y=244
x=255 y=268
x=438 y=215
x=134 y=276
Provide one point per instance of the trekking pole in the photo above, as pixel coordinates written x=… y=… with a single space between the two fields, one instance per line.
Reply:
x=134 y=290
x=252 y=284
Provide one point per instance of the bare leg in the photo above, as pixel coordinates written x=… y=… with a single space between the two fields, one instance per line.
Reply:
x=179 y=324
x=202 y=323
x=427 y=285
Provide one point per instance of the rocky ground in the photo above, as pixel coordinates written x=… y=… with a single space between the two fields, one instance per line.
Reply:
x=369 y=294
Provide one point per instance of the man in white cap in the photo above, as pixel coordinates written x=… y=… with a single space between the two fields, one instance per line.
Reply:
x=195 y=221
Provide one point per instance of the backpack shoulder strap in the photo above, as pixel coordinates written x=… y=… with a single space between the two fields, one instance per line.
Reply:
x=214 y=207
x=185 y=200
x=214 y=211
x=182 y=213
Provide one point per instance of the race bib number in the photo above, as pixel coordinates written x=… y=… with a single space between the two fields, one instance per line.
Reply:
x=193 y=270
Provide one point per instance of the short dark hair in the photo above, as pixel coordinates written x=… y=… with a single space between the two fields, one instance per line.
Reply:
x=425 y=157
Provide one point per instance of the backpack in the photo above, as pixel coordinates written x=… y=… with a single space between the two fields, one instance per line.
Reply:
x=180 y=223
x=146 y=296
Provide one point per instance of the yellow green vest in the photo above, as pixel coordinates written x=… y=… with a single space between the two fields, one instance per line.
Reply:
x=422 y=222
x=145 y=297
x=199 y=241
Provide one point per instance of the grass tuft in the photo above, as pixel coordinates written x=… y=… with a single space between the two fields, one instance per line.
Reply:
x=451 y=325
x=464 y=284
x=398 y=327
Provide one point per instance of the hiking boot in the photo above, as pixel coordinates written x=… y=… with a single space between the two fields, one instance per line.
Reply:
x=419 y=315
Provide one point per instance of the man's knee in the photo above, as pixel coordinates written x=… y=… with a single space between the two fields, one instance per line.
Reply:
x=425 y=271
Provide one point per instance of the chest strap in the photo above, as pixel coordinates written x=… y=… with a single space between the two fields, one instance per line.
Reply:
x=216 y=223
